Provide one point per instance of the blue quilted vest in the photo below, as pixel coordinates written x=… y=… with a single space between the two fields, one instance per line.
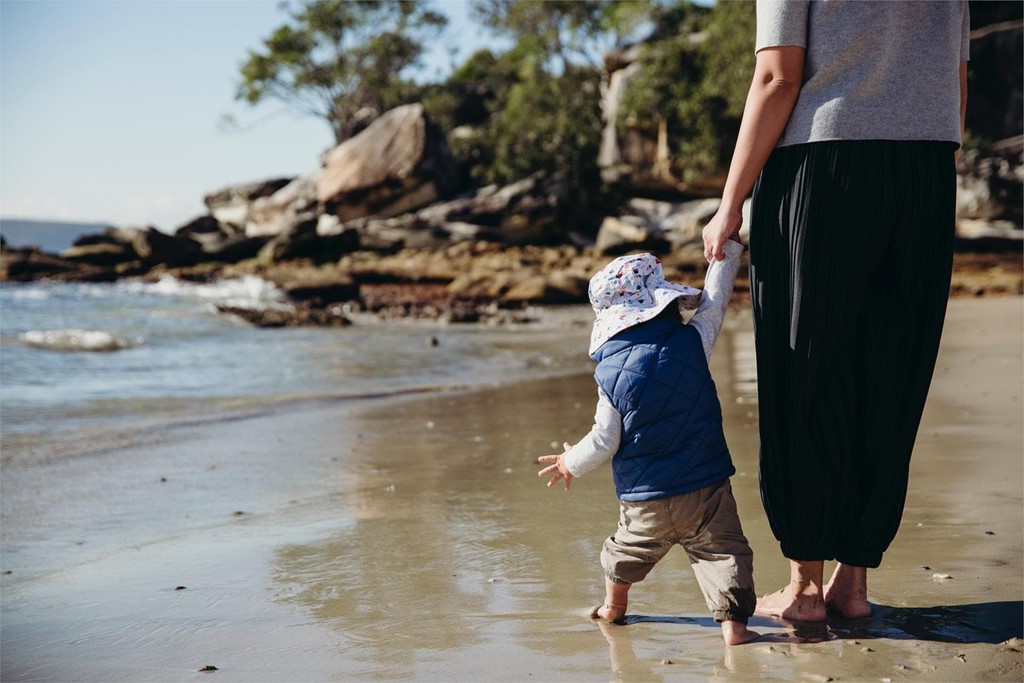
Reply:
x=657 y=377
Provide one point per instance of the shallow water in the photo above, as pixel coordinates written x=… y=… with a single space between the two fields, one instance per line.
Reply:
x=410 y=539
x=86 y=367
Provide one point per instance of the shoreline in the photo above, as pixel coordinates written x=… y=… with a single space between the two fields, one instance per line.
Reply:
x=410 y=538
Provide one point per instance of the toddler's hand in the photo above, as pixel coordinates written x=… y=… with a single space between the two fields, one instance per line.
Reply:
x=559 y=469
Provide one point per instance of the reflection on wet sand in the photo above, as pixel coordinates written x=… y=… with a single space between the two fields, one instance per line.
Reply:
x=459 y=557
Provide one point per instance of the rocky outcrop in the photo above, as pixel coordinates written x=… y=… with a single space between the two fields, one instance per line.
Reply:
x=29 y=263
x=220 y=242
x=526 y=212
x=303 y=241
x=288 y=316
x=989 y=187
x=619 y=235
x=659 y=227
x=314 y=286
x=231 y=205
x=282 y=210
x=995 y=105
x=398 y=164
x=147 y=246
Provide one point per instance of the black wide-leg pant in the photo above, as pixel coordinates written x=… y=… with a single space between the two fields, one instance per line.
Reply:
x=851 y=249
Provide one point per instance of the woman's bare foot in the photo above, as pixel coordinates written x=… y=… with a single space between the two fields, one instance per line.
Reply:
x=737 y=633
x=790 y=604
x=847 y=592
x=802 y=599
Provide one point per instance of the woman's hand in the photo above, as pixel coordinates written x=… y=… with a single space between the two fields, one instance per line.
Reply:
x=724 y=225
x=559 y=469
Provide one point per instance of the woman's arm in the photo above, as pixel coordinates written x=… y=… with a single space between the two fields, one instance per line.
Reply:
x=778 y=75
x=963 y=105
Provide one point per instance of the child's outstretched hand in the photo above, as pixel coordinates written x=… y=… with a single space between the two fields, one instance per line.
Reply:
x=559 y=469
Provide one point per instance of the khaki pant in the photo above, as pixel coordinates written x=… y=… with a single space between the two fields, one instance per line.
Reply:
x=706 y=525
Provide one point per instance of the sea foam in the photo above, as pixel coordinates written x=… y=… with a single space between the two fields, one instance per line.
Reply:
x=78 y=340
x=248 y=291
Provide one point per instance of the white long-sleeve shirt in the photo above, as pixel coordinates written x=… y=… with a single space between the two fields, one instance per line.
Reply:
x=603 y=440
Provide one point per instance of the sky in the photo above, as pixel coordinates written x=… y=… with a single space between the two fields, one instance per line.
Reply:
x=109 y=109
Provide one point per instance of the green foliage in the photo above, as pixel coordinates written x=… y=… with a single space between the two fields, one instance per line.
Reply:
x=341 y=60
x=507 y=117
x=566 y=34
x=695 y=83
x=531 y=133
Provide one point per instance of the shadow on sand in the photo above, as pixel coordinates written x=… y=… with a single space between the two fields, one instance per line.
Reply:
x=986 y=622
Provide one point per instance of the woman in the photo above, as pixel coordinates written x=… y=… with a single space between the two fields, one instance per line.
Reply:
x=850 y=131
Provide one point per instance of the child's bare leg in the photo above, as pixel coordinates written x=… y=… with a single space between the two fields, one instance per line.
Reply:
x=802 y=600
x=737 y=633
x=847 y=592
x=616 y=598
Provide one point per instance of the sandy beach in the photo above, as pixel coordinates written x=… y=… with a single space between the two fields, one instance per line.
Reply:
x=409 y=538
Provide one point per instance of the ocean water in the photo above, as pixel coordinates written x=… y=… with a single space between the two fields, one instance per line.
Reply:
x=94 y=366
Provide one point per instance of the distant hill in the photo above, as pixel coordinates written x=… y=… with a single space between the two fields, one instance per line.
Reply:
x=49 y=236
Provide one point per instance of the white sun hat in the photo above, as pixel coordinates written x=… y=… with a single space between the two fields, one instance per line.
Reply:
x=631 y=290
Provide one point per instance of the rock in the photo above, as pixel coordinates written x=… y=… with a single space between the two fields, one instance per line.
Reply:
x=101 y=254
x=989 y=184
x=234 y=249
x=231 y=205
x=528 y=211
x=206 y=228
x=153 y=246
x=618 y=236
x=555 y=288
x=622 y=67
x=634 y=158
x=995 y=104
x=282 y=317
x=278 y=213
x=303 y=241
x=399 y=163
x=680 y=221
x=316 y=286
x=28 y=264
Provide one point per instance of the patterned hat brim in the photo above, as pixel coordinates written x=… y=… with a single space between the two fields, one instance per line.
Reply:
x=614 y=319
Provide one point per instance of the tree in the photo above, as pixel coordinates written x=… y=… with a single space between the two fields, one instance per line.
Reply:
x=694 y=81
x=561 y=30
x=341 y=60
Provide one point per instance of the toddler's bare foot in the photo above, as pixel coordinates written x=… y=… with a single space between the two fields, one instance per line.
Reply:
x=790 y=604
x=737 y=633
x=611 y=613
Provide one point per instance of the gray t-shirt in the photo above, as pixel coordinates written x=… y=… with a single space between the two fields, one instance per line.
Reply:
x=882 y=70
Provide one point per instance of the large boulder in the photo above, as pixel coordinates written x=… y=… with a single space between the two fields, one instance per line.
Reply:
x=221 y=242
x=100 y=253
x=231 y=204
x=995 y=104
x=29 y=263
x=399 y=163
x=525 y=212
x=284 y=209
x=989 y=185
x=312 y=285
x=303 y=241
x=155 y=247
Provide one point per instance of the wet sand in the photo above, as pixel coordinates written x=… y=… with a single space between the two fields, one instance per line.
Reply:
x=410 y=539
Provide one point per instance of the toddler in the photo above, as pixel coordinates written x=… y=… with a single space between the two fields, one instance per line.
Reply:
x=659 y=420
